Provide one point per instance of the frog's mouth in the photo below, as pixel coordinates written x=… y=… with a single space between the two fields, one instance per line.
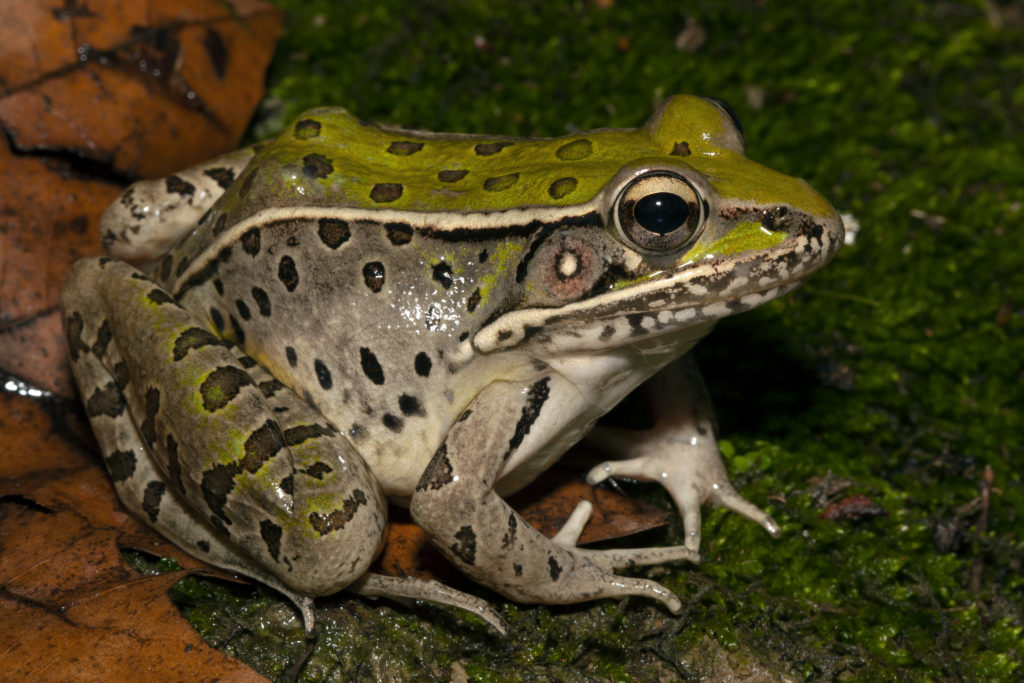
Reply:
x=691 y=294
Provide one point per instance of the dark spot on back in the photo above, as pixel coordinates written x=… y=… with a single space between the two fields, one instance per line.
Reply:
x=451 y=176
x=243 y=309
x=287 y=273
x=443 y=274
x=410 y=405
x=404 y=148
x=317 y=166
x=473 y=301
x=486 y=149
x=262 y=301
x=333 y=232
x=562 y=187
x=306 y=129
x=680 y=149
x=502 y=182
x=323 y=375
x=575 y=150
x=382 y=193
x=289 y=353
x=422 y=364
x=371 y=366
x=373 y=275
x=251 y=241
x=392 y=422
x=399 y=233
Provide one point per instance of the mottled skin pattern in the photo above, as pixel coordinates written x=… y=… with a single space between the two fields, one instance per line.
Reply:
x=351 y=313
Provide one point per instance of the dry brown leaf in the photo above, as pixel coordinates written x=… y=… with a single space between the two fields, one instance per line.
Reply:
x=77 y=82
x=45 y=227
x=146 y=87
x=72 y=608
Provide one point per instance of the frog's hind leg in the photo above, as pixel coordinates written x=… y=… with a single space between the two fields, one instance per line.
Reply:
x=151 y=216
x=211 y=450
x=680 y=451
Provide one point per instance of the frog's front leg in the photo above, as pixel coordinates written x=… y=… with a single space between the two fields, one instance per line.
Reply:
x=680 y=451
x=151 y=216
x=209 y=448
x=455 y=502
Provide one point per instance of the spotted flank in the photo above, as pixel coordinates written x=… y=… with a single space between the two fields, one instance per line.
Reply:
x=288 y=336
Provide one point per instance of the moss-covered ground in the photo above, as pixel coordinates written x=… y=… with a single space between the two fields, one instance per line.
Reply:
x=897 y=373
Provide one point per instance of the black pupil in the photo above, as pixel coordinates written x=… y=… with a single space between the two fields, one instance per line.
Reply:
x=661 y=212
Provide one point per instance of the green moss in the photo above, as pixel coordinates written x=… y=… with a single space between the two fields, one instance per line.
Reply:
x=898 y=368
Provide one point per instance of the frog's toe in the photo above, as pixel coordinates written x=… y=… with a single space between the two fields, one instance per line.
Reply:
x=428 y=590
x=727 y=497
x=570 y=532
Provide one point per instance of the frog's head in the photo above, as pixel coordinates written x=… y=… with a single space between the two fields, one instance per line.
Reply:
x=686 y=231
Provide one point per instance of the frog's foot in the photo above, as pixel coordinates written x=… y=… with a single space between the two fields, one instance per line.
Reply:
x=456 y=504
x=691 y=469
x=620 y=558
x=398 y=588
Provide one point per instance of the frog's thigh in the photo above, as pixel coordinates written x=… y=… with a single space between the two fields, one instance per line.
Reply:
x=207 y=446
x=476 y=529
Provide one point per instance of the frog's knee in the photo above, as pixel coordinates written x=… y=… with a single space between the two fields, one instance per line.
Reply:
x=326 y=547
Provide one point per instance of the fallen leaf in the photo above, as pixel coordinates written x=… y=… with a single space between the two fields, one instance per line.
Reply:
x=72 y=608
x=45 y=227
x=855 y=508
x=139 y=88
x=144 y=88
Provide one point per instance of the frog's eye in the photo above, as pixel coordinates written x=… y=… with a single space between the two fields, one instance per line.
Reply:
x=659 y=212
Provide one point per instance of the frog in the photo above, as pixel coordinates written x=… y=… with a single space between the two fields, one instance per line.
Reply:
x=286 y=339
